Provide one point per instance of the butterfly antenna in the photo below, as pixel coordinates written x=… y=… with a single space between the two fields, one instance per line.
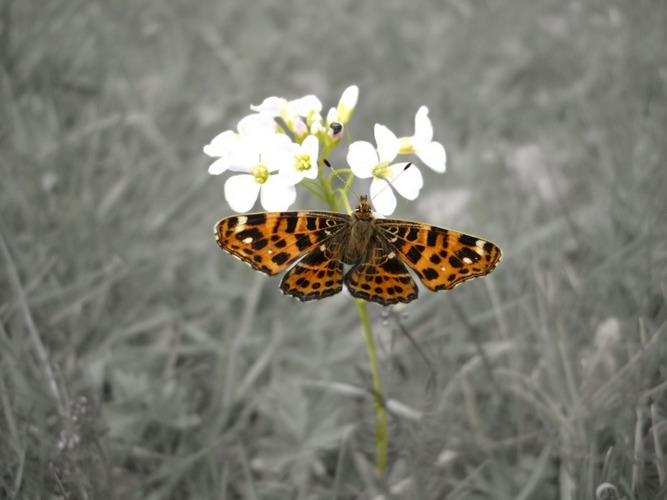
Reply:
x=389 y=182
x=326 y=162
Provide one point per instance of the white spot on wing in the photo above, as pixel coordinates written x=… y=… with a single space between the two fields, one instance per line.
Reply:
x=247 y=240
x=467 y=260
x=391 y=255
x=240 y=223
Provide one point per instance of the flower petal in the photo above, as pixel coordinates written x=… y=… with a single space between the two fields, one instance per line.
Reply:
x=349 y=97
x=300 y=128
x=244 y=155
x=241 y=192
x=332 y=116
x=361 y=157
x=407 y=182
x=306 y=105
x=433 y=155
x=387 y=142
x=423 y=126
x=347 y=103
x=272 y=105
x=311 y=146
x=257 y=125
x=277 y=196
x=219 y=166
x=221 y=143
x=383 y=199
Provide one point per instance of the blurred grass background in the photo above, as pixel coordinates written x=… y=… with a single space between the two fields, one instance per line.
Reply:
x=138 y=361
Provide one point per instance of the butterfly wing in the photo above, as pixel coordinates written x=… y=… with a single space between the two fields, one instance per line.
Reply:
x=385 y=281
x=271 y=242
x=442 y=258
x=319 y=274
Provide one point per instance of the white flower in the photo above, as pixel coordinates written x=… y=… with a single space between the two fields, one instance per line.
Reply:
x=224 y=146
x=303 y=160
x=259 y=161
x=257 y=125
x=307 y=105
x=221 y=146
x=298 y=114
x=430 y=152
x=366 y=162
x=347 y=103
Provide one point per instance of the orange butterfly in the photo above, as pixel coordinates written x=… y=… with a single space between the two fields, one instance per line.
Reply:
x=377 y=249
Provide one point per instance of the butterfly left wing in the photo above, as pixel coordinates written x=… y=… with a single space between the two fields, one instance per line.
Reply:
x=271 y=242
x=442 y=258
x=319 y=274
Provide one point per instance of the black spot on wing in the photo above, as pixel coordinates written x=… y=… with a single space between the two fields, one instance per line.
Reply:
x=255 y=219
x=253 y=233
x=469 y=253
x=280 y=258
x=291 y=224
x=259 y=244
x=303 y=242
x=430 y=273
x=466 y=239
x=393 y=266
x=415 y=253
x=302 y=282
x=413 y=234
x=455 y=262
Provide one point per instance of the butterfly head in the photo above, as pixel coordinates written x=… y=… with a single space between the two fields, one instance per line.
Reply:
x=364 y=209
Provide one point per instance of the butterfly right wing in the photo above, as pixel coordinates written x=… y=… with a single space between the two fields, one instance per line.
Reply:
x=442 y=258
x=385 y=281
x=271 y=242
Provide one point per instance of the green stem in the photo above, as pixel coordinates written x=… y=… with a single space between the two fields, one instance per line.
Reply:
x=364 y=320
x=378 y=399
x=326 y=187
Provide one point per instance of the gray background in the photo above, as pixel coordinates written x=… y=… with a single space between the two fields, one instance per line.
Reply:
x=137 y=360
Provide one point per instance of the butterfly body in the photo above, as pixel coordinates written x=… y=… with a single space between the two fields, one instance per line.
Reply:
x=317 y=245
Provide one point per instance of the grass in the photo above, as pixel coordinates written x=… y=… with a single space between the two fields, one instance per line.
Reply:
x=139 y=361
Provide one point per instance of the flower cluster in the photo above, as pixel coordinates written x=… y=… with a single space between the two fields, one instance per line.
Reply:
x=284 y=143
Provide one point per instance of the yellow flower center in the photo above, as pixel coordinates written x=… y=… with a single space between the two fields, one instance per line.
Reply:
x=302 y=162
x=261 y=173
x=382 y=170
x=407 y=147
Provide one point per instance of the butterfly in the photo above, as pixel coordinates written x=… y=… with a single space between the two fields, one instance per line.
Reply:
x=316 y=245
